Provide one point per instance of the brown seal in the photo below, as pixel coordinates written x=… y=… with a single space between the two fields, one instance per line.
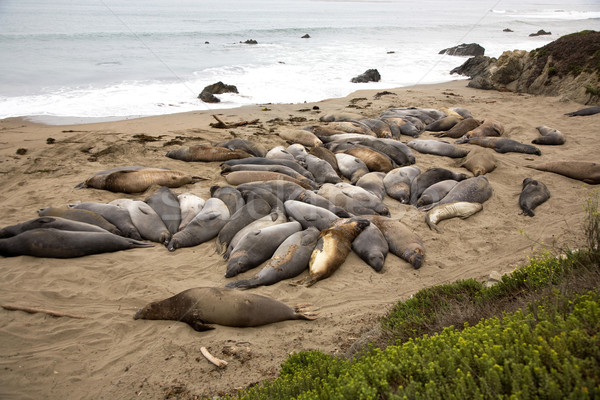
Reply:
x=333 y=246
x=240 y=177
x=300 y=136
x=206 y=152
x=489 y=127
x=586 y=171
x=460 y=129
x=373 y=159
x=201 y=306
x=479 y=161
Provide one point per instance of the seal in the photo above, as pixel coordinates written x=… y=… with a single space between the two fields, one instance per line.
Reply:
x=288 y=261
x=282 y=169
x=379 y=127
x=443 y=124
x=137 y=180
x=266 y=161
x=398 y=181
x=549 y=136
x=502 y=145
x=461 y=209
x=113 y=214
x=437 y=147
x=325 y=154
x=230 y=196
x=321 y=170
x=59 y=223
x=398 y=152
x=252 y=148
x=205 y=225
x=364 y=197
x=339 y=116
x=472 y=190
x=145 y=219
x=258 y=246
x=56 y=243
x=460 y=129
x=402 y=241
x=428 y=178
x=298 y=151
x=532 y=195
x=404 y=126
x=436 y=192
x=190 y=205
x=372 y=247
x=426 y=115
x=488 y=128
x=89 y=217
x=336 y=195
x=274 y=218
x=352 y=168
x=206 y=153
x=333 y=246
x=373 y=159
x=166 y=205
x=279 y=152
x=584 y=111
x=250 y=212
x=309 y=215
x=202 y=306
x=240 y=177
x=479 y=161
x=588 y=172
x=373 y=183
x=300 y=136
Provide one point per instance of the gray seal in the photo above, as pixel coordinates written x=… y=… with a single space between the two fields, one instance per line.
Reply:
x=166 y=205
x=398 y=181
x=373 y=183
x=502 y=145
x=472 y=190
x=59 y=223
x=202 y=306
x=532 y=195
x=288 y=261
x=352 y=168
x=146 y=220
x=113 y=214
x=56 y=243
x=309 y=215
x=252 y=148
x=190 y=205
x=428 y=178
x=437 y=147
x=250 y=212
x=230 y=196
x=371 y=246
x=549 y=136
x=89 y=217
x=436 y=192
x=321 y=170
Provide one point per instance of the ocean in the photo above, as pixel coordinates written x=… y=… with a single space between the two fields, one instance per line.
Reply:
x=88 y=59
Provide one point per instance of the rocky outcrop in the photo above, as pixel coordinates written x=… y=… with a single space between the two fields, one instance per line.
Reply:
x=471 y=49
x=306 y=36
x=541 y=32
x=370 y=75
x=554 y=70
x=208 y=93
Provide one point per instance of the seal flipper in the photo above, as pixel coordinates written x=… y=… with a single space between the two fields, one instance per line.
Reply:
x=199 y=325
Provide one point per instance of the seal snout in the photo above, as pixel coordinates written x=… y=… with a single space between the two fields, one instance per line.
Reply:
x=139 y=314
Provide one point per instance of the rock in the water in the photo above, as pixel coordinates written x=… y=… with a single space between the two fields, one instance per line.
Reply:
x=540 y=33
x=250 y=41
x=208 y=93
x=370 y=75
x=307 y=36
x=471 y=49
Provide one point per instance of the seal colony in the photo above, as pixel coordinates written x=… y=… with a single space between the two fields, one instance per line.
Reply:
x=355 y=292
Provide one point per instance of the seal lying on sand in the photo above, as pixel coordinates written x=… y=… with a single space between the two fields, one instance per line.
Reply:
x=502 y=145
x=584 y=112
x=586 y=171
x=461 y=209
x=48 y=222
x=199 y=307
x=137 y=179
x=206 y=152
x=55 y=243
x=549 y=136
x=533 y=194
x=86 y=216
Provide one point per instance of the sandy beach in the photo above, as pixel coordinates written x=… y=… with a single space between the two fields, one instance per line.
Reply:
x=109 y=355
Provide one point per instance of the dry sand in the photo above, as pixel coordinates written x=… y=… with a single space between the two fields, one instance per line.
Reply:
x=109 y=355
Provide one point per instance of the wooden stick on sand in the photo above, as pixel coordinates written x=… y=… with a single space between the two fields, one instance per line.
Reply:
x=30 y=310
x=219 y=363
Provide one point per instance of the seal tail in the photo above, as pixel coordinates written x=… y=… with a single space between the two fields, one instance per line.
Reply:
x=304 y=311
x=82 y=185
x=242 y=284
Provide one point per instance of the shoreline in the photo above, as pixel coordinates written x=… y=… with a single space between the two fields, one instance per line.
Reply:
x=44 y=356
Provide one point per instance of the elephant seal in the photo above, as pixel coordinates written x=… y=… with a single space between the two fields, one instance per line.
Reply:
x=488 y=128
x=398 y=181
x=336 y=195
x=267 y=161
x=549 y=136
x=352 y=168
x=502 y=145
x=479 y=161
x=460 y=129
x=309 y=215
x=373 y=159
x=288 y=261
x=379 y=127
x=321 y=170
x=166 y=205
x=364 y=197
x=240 y=177
x=428 y=178
x=199 y=307
x=252 y=148
x=339 y=116
x=138 y=180
x=325 y=154
x=371 y=246
x=89 y=217
x=436 y=192
x=250 y=212
x=206 y=153
x=282 y=169
x=145 y=219
x=461 y=209
x=279 y=152
x=437 y=147
x=300 y=136
x=56 y=243
x=274 y=218
x=230 y=196
x=333 y=246
x=532 y=195
x=585 y=111
x=443 y=124
x=406 y=126
x=59 y=223
x=397 y=151
x=205 y=225
x=402 y=241
x=190 y=205
x=373 y=183
x=298 y=151
x=473 y=190
x=258 y=246
x=113 y=214
x=588 y=172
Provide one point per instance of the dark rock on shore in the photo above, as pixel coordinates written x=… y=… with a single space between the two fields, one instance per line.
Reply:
x=370 y=75
x=471 y=49
x=250 y=41
x=553 y=70
x=307 y=36
x=208 y=93
x=507 y=30
x=540 y=33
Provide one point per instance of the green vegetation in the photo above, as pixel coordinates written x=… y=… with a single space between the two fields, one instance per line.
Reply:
x=535 y=335
x=592 y=90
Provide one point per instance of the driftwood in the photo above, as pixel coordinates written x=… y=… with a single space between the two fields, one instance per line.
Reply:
x=31 y=310
x=219 y=363
x=224 y=125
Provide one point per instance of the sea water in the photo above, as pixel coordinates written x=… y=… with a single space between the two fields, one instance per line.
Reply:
x=117 y=59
